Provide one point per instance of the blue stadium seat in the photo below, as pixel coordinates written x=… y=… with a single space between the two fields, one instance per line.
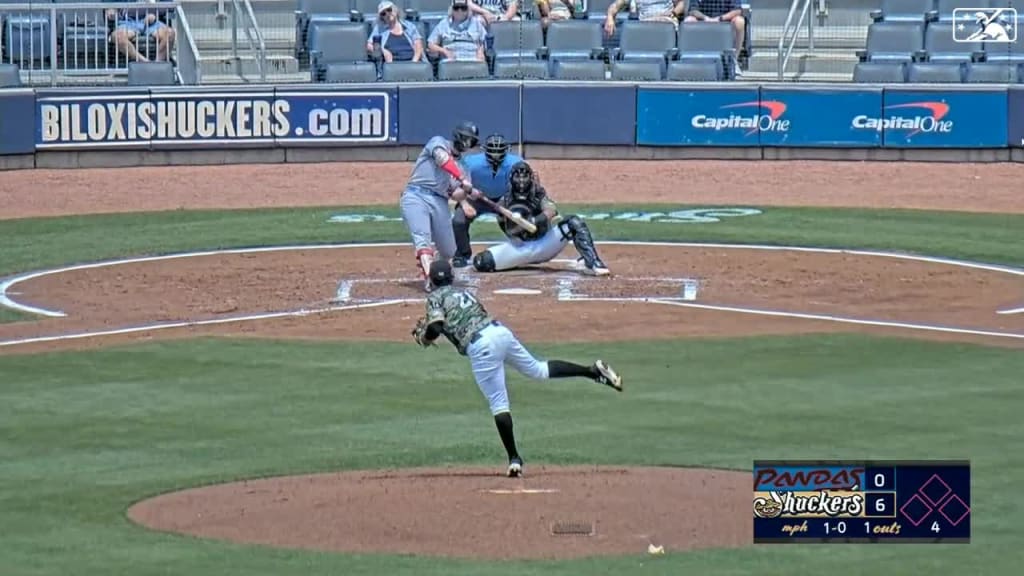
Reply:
x=27 y=36
x=521 y=70
x=693 y=71
x=941 y=46
x=991 y=73
x=350 y=73
x=150 y=74
x=704 y=42
x=1012 y=52
x=10 y=76
x=637 y=70
x=447 y=70
x=317 y=11
x=904 y=11
x=574 y=40
x=880 y=73
x=407 y=72
x=935 y=73
x=894 y=42
x=647 y=42
x=944 y=8
x=582 y=70
x=336 y=43
x=521 y=39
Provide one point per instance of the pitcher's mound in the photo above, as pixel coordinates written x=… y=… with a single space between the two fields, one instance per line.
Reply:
x=550 y=512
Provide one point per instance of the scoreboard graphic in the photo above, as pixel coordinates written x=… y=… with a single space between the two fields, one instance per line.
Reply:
x=862 y=502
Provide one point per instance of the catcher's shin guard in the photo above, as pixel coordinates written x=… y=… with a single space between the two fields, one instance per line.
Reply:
x=575 y=229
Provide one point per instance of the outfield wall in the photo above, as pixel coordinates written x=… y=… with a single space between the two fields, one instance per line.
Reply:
x=315 y=122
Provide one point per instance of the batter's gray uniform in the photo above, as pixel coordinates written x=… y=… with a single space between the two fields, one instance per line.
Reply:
x=424 y=202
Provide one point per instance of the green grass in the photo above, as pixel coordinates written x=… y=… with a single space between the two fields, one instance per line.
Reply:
x=85 y=434
x=50 y=242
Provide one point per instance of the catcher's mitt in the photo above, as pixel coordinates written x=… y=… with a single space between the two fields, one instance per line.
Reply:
x=419 y=333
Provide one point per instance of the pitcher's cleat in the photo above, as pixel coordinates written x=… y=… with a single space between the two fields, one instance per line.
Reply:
x=607 y=376
x=515 y=468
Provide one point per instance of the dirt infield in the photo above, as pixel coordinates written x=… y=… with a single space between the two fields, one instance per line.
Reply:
x=372 y=293
x=551 y=512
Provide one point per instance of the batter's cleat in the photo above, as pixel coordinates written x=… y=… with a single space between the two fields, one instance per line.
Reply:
x=428 y=286
x=607 y=376
x=460 y=262
x=515 y=468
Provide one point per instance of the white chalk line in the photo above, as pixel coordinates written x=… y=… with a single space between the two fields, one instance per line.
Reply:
x=1013 y=311
x=193 y=323
x=806 y=316
x=10 y=282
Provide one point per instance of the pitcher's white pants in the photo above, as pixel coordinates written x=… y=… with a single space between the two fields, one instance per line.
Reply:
x=495 y=346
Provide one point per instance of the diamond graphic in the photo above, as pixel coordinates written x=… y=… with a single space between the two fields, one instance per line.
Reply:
x=955 y=507
x=916 y=510
x=934 y=490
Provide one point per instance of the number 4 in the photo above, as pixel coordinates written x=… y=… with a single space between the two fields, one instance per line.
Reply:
x=935 y=526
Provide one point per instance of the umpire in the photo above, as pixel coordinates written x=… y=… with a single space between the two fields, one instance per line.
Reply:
x=489 y=171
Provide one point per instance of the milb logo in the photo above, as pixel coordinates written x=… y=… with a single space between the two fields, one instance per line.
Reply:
x=993 y=25
x=753 y=123
x=931 y=123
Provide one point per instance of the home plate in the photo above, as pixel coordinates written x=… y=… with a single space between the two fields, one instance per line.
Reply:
x=522 y=491
x=517 y=291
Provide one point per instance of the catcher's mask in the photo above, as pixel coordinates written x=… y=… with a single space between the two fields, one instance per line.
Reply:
x=521 y=181
x=465 y=136
x=495 y=149
x=440 y=273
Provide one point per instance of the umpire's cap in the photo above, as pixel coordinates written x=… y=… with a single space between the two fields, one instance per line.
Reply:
x=441 y=273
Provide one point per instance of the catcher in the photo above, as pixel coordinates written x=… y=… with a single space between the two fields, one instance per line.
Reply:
x=528 y=198
x=461 y=318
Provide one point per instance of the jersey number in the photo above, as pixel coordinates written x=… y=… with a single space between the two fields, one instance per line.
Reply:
x=466 y=300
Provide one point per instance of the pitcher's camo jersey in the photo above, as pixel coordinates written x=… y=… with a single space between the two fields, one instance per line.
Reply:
x=461 y=312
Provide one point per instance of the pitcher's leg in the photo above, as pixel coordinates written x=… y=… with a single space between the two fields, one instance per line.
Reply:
x=486 y=358
x=530 y=366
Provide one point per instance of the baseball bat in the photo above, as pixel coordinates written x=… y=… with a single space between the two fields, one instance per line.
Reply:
x=519 y=220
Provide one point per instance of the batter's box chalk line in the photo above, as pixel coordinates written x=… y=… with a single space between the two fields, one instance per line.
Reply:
x=566 y=286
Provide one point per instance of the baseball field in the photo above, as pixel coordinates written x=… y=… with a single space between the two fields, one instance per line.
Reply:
x=208 y=371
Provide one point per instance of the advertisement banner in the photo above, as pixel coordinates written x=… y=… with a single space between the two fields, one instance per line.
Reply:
x=17 y=113
x=197 y=119
x=704 y=117
x=819 y=118
x=566 y=114
x=426 y=111
x=939 y=119
x=1015 y=113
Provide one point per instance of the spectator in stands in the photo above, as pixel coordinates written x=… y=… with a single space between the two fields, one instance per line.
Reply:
x=151 y=24
x=646 y=10
x=551 y=10
x=495 y=10
x=400 y=40
x=721 y=11
x=458 y=37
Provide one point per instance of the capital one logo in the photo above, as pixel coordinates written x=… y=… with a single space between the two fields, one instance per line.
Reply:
x=928 y=119
x=764 y=116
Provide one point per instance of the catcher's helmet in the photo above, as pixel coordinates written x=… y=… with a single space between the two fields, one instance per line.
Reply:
x=521 y=181
x=441 y=273
x=465 y=136
x=495 y=149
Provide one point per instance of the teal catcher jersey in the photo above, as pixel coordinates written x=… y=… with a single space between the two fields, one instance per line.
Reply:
x=493 y=185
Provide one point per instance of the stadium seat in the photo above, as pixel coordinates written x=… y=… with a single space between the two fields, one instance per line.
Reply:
x=84 y=35
x=150 y=74
x=431 y=11
x=700 y=41
x=880 y=73
x=935 y=73
x=637 y=70
x=10 y=76
x=893 y=42
x=574 y=39
x=407 y=72
x=693 y=71
x=583 y=70
x=337 y=43
x=27 y=35
x=991 y=73
x=364 y=10
x=647 y=42
x=521 y=39
x=524 y=70
x=1012 y=52
x=941 y=46
x=944 y=8
x=350 y=72
x=308 y=12
x=904 y=11
x=456 y=70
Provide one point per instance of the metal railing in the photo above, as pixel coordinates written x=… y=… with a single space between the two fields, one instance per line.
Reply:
x=257 y=44
x=62 y=41
x=791 y=31
x=188 y=69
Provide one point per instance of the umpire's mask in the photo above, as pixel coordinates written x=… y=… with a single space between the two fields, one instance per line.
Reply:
x=495 y=150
